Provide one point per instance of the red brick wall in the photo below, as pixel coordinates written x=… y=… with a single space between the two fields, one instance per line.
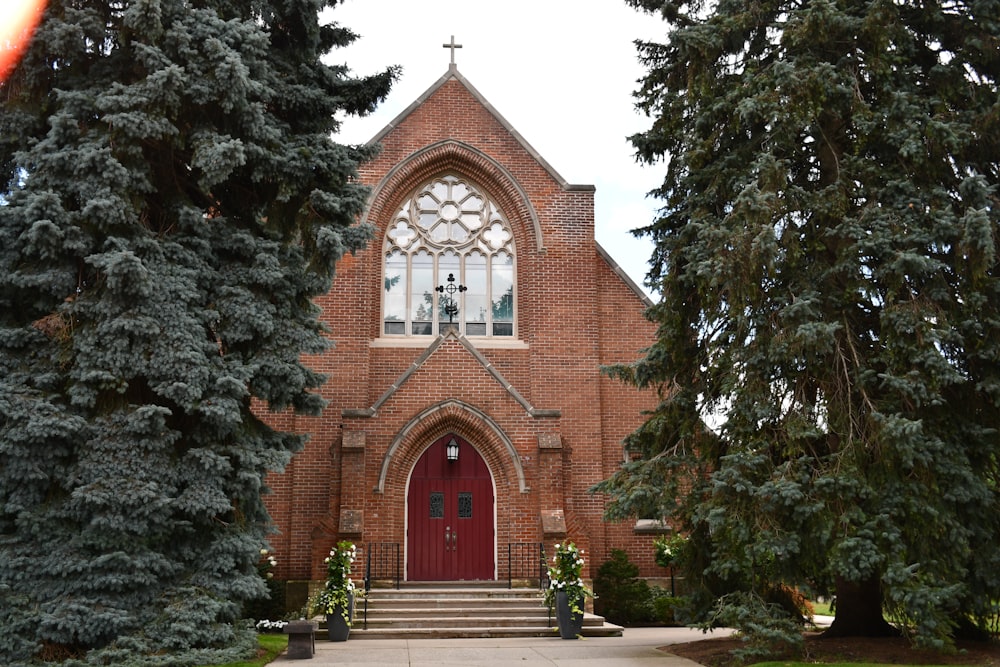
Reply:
x=574 y=314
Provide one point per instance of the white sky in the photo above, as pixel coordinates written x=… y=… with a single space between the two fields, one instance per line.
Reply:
x=561 y=72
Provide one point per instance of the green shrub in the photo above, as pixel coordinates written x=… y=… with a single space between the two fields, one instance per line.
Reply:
x=622 y=597
x=270 y=608
x=665 y=605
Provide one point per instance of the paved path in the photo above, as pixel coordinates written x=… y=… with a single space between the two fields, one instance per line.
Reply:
x=637 y=647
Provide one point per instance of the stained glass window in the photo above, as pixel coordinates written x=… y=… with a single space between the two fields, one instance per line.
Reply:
x=448 y=226
x=464 y=505
x=437 y=505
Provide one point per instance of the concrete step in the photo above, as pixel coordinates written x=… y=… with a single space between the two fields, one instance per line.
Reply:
x=452 y=603
x=455 y=621
x=357 y=632
x=457 y=612
x=426 y=593
x=435 y=610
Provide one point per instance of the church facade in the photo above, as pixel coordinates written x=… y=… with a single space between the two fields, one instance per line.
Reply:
x=468 y=416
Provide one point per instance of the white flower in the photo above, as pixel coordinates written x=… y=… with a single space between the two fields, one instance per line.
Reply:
x=271 y=625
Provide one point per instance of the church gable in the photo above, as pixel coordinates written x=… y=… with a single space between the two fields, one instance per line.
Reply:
x=451 y=132
x=432 y=117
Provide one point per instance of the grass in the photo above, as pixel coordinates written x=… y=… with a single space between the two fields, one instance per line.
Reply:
x=271 y=647
x=822 y=608
x=834 y=664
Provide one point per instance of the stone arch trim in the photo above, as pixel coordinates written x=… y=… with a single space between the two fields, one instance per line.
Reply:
x=425 y=163
x=469 y=423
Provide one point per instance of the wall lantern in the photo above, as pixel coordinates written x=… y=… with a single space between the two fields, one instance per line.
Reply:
x=452 y=450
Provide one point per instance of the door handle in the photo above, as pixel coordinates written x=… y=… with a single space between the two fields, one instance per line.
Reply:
x=447 y=537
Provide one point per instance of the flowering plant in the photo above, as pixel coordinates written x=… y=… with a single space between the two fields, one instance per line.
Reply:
x=265 y=625
x=669 y=550
x=564 y=575
x=266 y=563
x=338 y=587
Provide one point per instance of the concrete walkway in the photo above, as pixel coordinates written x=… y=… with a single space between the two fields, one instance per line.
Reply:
x=637 y=647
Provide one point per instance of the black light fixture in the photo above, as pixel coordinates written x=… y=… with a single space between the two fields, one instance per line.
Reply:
x=452 y=450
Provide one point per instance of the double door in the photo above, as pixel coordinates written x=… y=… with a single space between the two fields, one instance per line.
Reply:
x=450 y=515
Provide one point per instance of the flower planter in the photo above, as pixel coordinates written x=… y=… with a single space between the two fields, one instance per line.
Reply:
x=570 y=622
x=337 y=627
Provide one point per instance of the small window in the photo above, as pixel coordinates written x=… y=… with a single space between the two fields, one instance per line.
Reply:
x=464 y=505
x=475 y=329
x=437 y=505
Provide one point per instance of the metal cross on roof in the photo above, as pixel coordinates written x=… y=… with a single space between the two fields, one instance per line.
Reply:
x=452 y=46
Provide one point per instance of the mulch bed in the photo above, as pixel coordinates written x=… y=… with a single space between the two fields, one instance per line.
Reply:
x=890 y=651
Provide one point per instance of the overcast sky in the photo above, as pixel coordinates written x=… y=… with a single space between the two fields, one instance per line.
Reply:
x=561 y=72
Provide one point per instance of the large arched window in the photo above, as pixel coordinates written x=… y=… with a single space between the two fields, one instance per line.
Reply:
x=449 y=227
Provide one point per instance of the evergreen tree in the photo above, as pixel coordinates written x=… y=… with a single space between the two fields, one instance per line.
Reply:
x=827 y=259
x=173 y=201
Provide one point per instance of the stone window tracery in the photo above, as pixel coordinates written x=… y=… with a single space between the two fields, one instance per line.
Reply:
x=449 y=226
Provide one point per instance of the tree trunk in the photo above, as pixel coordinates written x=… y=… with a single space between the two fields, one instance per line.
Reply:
x=859 y=611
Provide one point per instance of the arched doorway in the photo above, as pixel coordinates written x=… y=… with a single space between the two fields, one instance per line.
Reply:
x=450 y=515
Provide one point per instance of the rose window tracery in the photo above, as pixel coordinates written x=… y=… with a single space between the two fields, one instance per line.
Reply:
x=448 y=226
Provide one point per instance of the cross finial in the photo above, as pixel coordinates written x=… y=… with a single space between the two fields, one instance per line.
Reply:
x=452 y=46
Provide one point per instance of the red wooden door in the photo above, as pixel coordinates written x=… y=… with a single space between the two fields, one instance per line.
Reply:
x=450 y=515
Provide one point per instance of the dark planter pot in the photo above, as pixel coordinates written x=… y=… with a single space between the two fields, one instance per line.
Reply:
x=337 y=628
x=570 y=623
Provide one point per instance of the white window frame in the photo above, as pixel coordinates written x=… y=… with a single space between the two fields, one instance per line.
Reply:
x=441 y=217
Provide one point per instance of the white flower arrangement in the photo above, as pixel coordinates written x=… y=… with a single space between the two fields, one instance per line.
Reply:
x=565 y=576
x=339 y=586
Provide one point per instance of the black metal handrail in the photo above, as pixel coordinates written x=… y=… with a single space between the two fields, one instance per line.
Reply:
x=383 y=560
x=526 y=560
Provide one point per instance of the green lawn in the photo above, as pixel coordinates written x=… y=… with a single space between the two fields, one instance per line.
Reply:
x=272 y=645
x=834 y=664
x=822 y=608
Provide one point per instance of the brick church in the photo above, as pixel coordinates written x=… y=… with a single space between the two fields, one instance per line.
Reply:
x=468 y=415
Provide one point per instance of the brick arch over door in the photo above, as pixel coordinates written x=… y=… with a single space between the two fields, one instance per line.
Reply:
x=464 y=160
x=451 y=416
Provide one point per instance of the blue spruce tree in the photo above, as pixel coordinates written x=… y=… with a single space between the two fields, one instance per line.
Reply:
x=172 y=202
x=828 y=259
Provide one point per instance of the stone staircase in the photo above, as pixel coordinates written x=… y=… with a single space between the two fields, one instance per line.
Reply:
x=447 y=610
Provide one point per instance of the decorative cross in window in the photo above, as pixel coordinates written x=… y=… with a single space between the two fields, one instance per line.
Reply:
x=452 y=46
x=451 y=307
